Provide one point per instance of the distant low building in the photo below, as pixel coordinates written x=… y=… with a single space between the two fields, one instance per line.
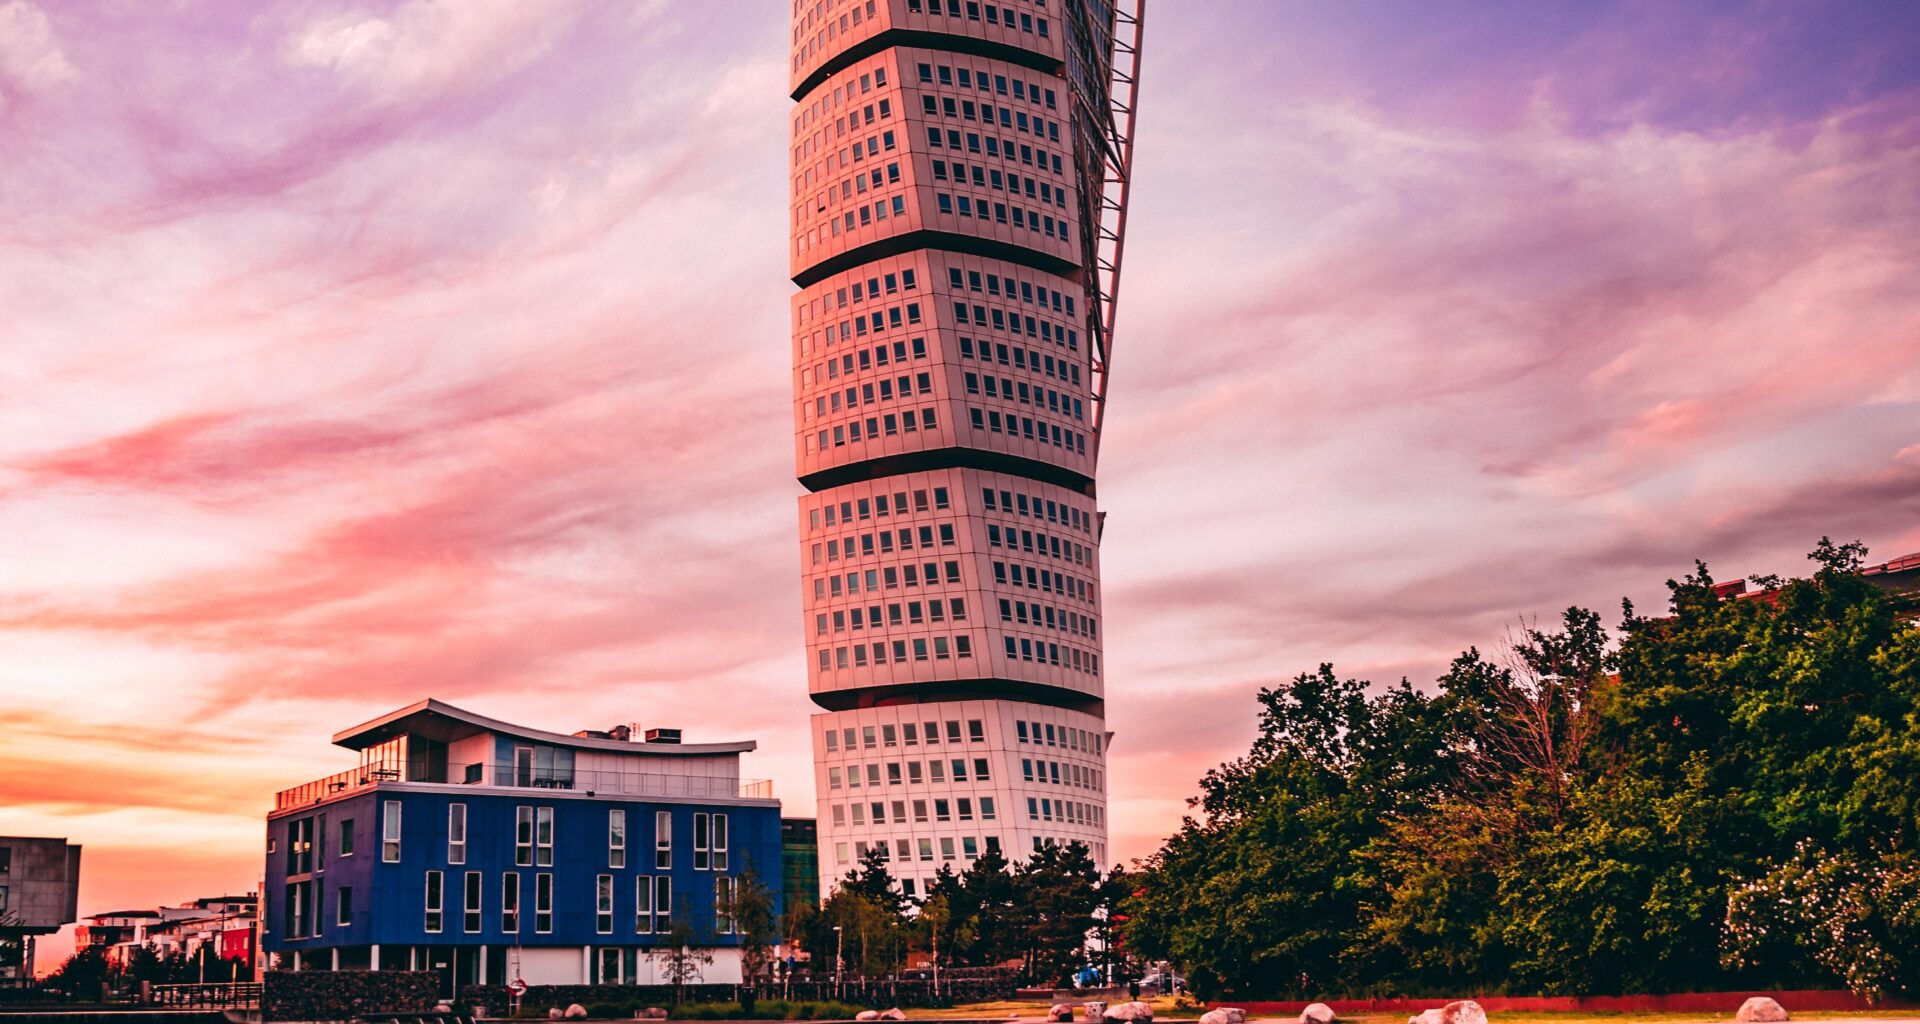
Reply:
x=39 y=892
x=1898 y=577
x=223 y=925
x=489 y=851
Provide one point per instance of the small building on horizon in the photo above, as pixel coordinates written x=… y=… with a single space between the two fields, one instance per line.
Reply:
x=222 y=926
x=490 y=852
x=39 y=892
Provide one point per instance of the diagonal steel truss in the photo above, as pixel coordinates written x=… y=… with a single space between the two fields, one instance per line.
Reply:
x=1110 y=219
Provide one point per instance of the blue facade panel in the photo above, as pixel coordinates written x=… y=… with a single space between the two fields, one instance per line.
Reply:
x=388 y=898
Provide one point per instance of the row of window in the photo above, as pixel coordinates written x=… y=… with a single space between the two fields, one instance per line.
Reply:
x=652 y=903
x=969 y=78
x=937 y=771
x=1044 y=580
x=1003 y=16
x=904 y=537
x=1060 y=512
x=1039 y=542
x=1025 y=292
x=1034 y=613
x=1073 y=812
x=1026 y=220
x=938 y=648
x=1012 y=322
x=903 y=849
x=533 y=838
x=870 y=393
x=967 y=110
x=1061 y=773
x=989 y=145
x=888 y=425
x=879 y=178
x=940 y=809
x=1020 y=358
x=908 y=734
x=866 y=358
x=888 y=577
x=1047 y=653
x=914 y=613
x=879 y=507
x=1046 y=734
x=1041 y=398
x=1064 y=438
x=880 y=210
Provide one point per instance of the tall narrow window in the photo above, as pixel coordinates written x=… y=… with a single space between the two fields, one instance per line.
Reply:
x=510 y=902
x=700 y=841
x=724 y=891
x=719 y=842
x=662 y=903
x=543 y=903
x=523 y=836
x=643 y=905
x=390 y=832
x=543 y=837
x=456 y=833
x=343 y=915
x=346 y=837
x=603 y=904
x=662 y=840
x=470 y=906
x=435 y=902
x=616 y=838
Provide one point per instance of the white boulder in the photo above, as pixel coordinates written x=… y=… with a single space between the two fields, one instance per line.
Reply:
x=1426 y=1017
x=894 y=1014
x=867 y=1015
x=576 y=1012
x=1317 y=1013
x=1760 y=1010
x=1135 y=1012
x=1464 y=1011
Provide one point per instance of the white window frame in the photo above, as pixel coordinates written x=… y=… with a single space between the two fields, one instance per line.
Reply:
x=543 y=827
x=725 y=890
x=456 y=833
x=510 y=902
x=390 y=831
x=523 y=836
x=662 y=840
x=616 y=838
x=701 y=823
x=472 y=908
x=543 y=902
x=434 y=902
x=603 y=904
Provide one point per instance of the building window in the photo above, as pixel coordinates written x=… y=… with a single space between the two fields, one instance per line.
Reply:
x=709 y=841
x=456 y=833
x=662 y=840
x=616 y=838
x=643 y=905
x=543 y=837
x=542 y=903
x=390 y=831
x=470 y=907
x=510 y=902
x=299 y=846
x=346 y=837
x=662 y=903
x=343 y=913
x=725 y=890
x=603 y=904
x=434 y=902
x=523 y=836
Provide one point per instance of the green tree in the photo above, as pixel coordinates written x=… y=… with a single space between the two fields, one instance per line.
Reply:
x=682 y=955
x=754 y=921
x=1059 y=888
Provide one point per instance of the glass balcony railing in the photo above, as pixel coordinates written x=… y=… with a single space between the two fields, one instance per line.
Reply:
x=598 y=782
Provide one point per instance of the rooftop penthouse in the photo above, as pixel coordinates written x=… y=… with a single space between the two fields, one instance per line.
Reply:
x=436 y=744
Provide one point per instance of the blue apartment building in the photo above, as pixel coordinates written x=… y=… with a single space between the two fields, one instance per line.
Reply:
x=489 y=851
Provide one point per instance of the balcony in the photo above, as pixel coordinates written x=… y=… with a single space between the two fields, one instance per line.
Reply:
x=506 y=776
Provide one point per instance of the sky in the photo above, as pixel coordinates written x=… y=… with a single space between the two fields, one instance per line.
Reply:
x=356 y=352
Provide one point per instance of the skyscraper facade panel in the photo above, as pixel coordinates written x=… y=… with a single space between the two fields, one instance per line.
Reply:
x=951 y=165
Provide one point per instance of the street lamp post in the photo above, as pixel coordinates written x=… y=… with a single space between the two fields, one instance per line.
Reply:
x=839 y=962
